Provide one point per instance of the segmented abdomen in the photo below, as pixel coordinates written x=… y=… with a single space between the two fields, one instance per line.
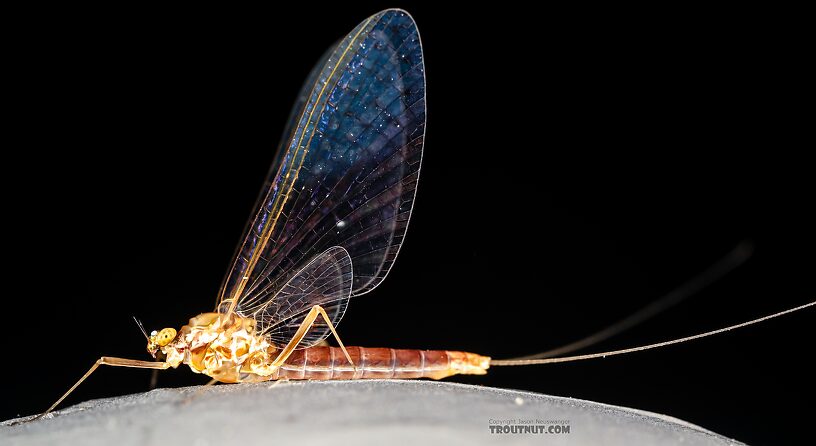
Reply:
x=379 y=363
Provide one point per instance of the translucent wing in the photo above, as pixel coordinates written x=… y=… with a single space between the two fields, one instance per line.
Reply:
x=325 y=281
x=347 y=169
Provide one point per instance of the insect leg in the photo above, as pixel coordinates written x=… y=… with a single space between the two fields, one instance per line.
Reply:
x=307 y=323
x=277 y=382
x=154 y=379
x=107 y=360
x=198 y=391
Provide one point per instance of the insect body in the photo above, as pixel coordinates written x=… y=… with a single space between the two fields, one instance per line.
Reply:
x=329 y=224
x=228 y=350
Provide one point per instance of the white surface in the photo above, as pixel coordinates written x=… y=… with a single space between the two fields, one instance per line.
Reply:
x=328 y=413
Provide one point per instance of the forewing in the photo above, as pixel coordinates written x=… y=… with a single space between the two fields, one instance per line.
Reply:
x=347 y=171
x=324 y=281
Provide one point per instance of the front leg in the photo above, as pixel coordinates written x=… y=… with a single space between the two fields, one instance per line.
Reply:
x=108 y=360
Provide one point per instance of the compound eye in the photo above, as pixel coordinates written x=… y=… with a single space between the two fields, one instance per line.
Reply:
x=165 y=336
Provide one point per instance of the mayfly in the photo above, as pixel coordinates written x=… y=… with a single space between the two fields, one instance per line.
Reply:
x=330 y=220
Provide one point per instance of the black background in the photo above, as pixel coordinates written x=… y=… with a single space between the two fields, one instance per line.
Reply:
x=578 y=165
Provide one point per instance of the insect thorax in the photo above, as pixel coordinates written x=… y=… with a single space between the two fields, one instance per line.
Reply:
x=227 y=350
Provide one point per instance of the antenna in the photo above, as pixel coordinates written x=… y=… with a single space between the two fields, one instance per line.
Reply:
x=141 y=327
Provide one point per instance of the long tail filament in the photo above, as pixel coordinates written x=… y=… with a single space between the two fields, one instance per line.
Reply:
x=516 y=362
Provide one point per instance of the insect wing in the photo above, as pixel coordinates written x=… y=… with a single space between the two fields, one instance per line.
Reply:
x=347 y=171
x=325 y=281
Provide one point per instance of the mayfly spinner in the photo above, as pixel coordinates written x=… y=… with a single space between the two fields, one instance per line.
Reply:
x=329 y=224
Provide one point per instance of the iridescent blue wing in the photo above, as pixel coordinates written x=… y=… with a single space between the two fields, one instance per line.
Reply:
x=347 y=170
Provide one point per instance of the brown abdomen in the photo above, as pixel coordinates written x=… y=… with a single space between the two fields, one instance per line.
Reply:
x=379 y=363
